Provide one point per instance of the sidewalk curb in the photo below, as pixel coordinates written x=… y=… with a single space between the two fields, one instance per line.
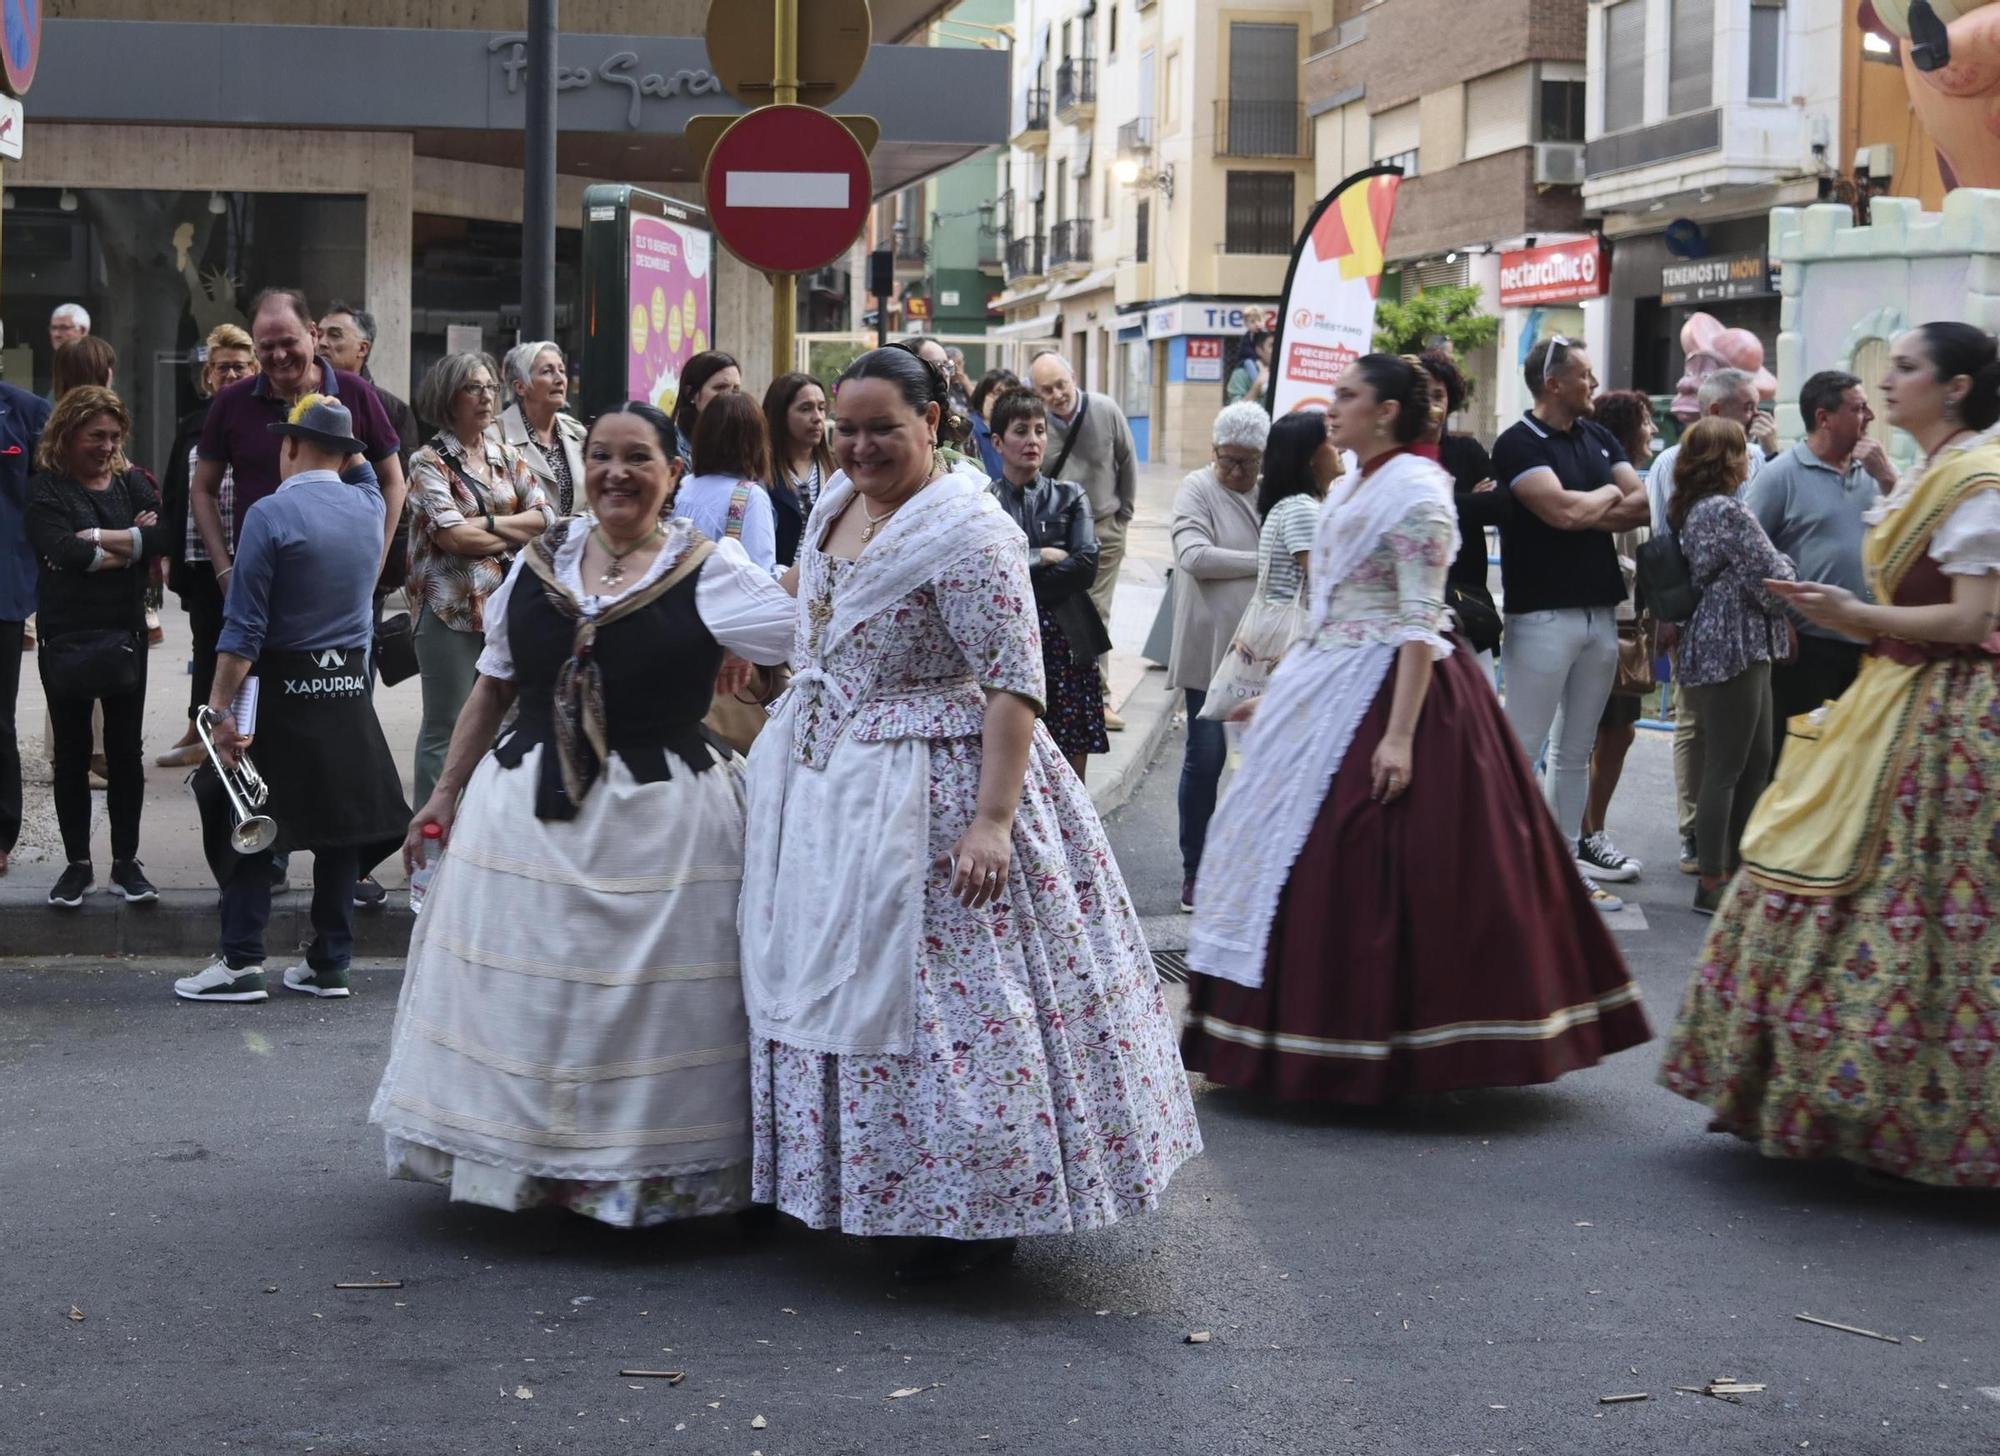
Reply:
x=183 y=923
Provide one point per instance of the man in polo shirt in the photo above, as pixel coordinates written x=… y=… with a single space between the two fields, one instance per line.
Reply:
x=1560 y=575
x=1810 y=501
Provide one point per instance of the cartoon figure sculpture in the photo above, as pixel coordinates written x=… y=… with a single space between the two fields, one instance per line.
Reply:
x=1950 y=51
x=1709 y=347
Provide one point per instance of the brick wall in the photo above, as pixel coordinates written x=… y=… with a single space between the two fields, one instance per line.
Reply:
x=1493 y=197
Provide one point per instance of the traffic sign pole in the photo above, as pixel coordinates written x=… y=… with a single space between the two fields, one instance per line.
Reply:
x=784 y=91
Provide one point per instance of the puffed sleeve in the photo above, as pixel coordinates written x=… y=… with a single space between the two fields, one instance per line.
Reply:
x=743 y=606
x=988 y=608
x=1423 y=544
x=496 y=658
x=1967 y=542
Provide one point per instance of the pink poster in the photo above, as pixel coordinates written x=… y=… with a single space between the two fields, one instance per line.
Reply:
x=669 y=289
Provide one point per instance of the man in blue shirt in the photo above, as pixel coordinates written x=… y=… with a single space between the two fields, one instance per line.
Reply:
x=300 y=613
x=22 y=416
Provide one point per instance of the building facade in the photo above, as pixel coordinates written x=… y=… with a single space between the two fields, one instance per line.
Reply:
x=1703 y=115
x=1487 y=121
x=1159 y=168
x=181 y=156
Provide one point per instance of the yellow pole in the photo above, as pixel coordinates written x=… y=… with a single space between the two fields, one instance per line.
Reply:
x=784 y=92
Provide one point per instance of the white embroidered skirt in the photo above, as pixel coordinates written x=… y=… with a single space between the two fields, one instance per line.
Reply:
x=571 y=1027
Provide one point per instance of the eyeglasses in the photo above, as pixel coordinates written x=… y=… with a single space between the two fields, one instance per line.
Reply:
x=1558 y=351
x=488 y=391
x=1238 y=464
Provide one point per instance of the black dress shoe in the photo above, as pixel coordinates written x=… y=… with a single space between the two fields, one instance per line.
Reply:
x=943 y=1259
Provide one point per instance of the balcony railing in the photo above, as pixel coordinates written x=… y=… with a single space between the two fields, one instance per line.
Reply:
x=1034 y=115
x=1135 y=137
x=1251 y=128
x=911 y=249
x=1069 y=243
x=1024 y=258
x=1076 y=87
x=1003 y=213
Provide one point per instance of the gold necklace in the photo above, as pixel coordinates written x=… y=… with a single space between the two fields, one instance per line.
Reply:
x=875 y=521
x=615 y=572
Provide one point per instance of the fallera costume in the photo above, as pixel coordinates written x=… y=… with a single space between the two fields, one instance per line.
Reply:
x=919 y=1067
x=1353 y=951
x=571 y=1029
x=1846 y=1004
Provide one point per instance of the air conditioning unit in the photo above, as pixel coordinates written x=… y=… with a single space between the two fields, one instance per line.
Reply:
x=1559 y=164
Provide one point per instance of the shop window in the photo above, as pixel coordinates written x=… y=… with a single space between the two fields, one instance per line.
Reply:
x=1562 y=111
x=1691 y=57
x=1135 y=378
x=1624 y=65
x=1259 y=213
x=1767 y=38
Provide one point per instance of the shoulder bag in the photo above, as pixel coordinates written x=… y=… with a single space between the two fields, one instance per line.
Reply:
x=1665 y=584
x=1054 y=472
x=1259 y=643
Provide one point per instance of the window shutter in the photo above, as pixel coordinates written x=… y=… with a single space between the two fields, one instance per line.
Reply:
x=1624 y=65
x=1691 y=57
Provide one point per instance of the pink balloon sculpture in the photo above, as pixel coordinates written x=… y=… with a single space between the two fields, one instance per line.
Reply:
x=1709 y=347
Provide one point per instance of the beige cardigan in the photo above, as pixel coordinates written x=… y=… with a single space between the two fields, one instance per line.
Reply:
x=512 y=427
x=1215 y=574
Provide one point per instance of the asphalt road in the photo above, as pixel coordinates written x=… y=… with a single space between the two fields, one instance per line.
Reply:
x=1466 y=1275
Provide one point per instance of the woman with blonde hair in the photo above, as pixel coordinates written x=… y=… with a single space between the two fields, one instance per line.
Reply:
x=228 y=356
x=1724 y=656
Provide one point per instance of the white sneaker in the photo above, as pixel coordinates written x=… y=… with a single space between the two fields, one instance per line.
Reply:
x=216 y=982
x=302 y=977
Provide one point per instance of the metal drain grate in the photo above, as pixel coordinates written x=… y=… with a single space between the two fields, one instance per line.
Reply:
x=1171 y=965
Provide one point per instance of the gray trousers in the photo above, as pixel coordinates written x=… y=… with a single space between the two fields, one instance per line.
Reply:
x=1735 y=751
x=448 y=662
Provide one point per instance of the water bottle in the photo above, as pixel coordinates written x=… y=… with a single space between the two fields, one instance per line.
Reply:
x=429 y=855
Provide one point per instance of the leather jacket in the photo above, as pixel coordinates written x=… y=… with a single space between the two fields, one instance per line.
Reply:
x=1057 y=513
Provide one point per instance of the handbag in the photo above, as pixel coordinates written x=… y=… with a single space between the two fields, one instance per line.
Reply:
x=96 y=662
x=1666 y=585
x=1635 y=661
x=396 y=649
x=1477 y=619
x=1261 y=639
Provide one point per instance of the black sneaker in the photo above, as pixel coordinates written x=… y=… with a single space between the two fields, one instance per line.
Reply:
x=77 y=881
x=369 y=895
x=129 y=880
x=1599 y=858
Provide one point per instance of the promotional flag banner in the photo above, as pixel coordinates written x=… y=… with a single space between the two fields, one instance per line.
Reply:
x=1326 y=319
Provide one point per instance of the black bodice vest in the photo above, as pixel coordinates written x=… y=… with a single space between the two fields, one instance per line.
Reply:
x=658 y=667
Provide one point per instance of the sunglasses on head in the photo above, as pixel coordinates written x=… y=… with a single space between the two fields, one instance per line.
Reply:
x=1558 y=351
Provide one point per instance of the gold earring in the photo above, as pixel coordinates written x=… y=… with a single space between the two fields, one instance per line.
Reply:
x=937 y=457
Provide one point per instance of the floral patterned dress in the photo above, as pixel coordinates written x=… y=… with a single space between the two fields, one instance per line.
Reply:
x=1042 y=1093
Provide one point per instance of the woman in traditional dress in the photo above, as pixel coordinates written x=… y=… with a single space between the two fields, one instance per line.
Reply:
x=1387 y=906
x=1845 y=1005
x=1062 y=563
x=571 y=1029
x=957 y=1030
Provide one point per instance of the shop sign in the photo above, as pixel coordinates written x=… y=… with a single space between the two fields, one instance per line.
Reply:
x=1705 y=280
x=1204 y=359
x=1554 y=273
x=12 y=122
x=948 y=298
x=916 y=306
x=616 y=69
x=1170 y=320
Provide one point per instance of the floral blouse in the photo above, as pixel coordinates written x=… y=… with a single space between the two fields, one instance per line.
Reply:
x=1396 y=593
x=1737 y=623
x=455 y=588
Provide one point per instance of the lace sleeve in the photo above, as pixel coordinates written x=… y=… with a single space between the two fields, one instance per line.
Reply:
x=988 y=608
x=1967 y=542
x=1422 y=544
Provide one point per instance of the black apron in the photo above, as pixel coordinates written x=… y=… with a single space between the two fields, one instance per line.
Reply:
x=320 y=748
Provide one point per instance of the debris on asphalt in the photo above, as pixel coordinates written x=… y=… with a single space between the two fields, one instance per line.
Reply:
x=1847 y=1329
x=270 y=1289
x=1622 y=1399
x=1199 y=1337
x=672 y=1377
x=758 y=1423
x=521 y=1392
x=360 y=1284
x=1723 y=1387
x=910 y=1390
x=75 y=1314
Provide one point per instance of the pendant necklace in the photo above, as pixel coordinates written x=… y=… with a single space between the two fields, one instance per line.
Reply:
x=615 y=572
x=875 y=521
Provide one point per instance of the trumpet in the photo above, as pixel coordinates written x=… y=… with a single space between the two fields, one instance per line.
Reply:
x=245 y=787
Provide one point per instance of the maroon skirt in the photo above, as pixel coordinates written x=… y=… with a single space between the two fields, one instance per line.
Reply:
x=1440 y=942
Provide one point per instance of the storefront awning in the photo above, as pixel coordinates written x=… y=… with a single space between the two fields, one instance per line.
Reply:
x=1089 y=283
x=1038 y=327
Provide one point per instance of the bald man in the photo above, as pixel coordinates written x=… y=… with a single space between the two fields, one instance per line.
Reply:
x=1090 y=443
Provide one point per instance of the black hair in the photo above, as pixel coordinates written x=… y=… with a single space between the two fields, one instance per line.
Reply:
x=991 y=380
x=1957 y=349
x=1535 y=369
x=1396 y=379
x=920 y=382
x=670 y=439
x=1823 y=392
x=1015 y=404
x=1444 y=369
x=1288 y=456
x=700 y=369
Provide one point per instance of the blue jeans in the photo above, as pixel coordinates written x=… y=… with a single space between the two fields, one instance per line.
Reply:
x=246 y=908
x=1201 y=772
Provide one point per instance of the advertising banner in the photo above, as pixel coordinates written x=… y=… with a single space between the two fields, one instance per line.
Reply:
x=649 y=296
x=1326 y=319
x=1554 y=273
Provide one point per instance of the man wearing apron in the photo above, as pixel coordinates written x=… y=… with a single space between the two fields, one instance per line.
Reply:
x=297 y=625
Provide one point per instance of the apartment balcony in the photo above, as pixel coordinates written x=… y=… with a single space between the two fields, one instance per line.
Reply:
x=1135 y=139
x=1003 y=213
x=1069 y=246
x=1251 y=128
x=909 y=248
x=1031 y=123
x=1076 y=90
x=1024 y=259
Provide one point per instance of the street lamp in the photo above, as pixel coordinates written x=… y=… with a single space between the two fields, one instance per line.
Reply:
x=1130 y=174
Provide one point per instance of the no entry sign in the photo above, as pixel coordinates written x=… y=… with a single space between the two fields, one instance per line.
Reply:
x=787 y=188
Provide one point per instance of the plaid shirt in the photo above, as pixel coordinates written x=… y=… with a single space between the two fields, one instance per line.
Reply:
x=196 y=549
